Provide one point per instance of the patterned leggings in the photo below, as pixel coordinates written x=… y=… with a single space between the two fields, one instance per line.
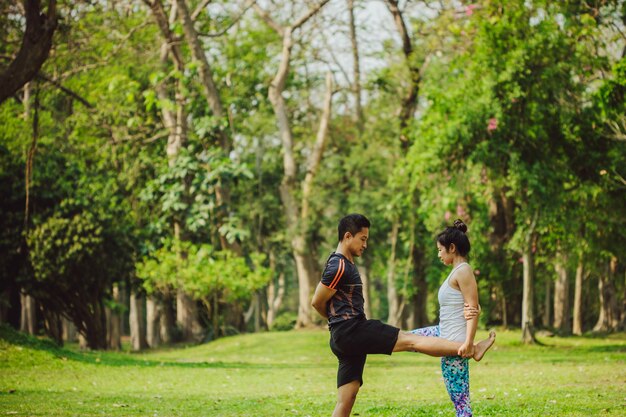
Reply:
x=455 y=372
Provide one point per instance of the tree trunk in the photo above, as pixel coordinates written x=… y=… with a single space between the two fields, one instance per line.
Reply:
x=176 y=122
x=528 y=317
x=115 y=321
x=409 y=102
x=215 y=316
x=578 y=297
x=255 y=305
x=275 y=298
x=313 y=164
x=187 y=318
x=167 y=319
x=395 y=312
x=356 y=86
x=4 y=306
x=505 y=320
x=622 y=325
x=419 y=314
x=294 y=215
x=123 y=309
x=82 y=342
x=95 y=332
x=53 y=326
x=153 y=317
x=545 y=319
x=561 y=294
x=608 y=319
x=206 y=74
x=222 y=194
x=28 y=321
x=304 y=283
x=186 y=309
x=69 y=331
x=137 y=327
x=33 y=52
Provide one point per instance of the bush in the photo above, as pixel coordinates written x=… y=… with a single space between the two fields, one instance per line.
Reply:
x=284 y=321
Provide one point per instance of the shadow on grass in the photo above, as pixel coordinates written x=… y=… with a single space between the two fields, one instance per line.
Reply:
x=14 y=337
x=604 y=349
x=168 y=404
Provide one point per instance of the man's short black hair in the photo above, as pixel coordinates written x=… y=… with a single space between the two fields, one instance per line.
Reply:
x=352 y=223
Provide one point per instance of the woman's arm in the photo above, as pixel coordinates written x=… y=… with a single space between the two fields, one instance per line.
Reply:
x=467 y=284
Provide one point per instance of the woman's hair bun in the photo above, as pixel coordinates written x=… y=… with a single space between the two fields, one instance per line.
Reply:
x=458 y=224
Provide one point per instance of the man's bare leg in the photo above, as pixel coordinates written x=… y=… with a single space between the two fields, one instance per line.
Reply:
x=346 y=395
x=433 y=346
x=437 y=346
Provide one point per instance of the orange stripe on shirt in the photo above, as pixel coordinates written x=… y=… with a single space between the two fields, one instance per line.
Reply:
x=342 y=267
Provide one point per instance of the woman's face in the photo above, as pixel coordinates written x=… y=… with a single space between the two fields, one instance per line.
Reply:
x=443 y=254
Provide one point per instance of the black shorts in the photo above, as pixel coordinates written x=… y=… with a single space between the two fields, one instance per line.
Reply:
x=352 y=340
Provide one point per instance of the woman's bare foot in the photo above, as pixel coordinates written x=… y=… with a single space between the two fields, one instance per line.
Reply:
x=483 y=346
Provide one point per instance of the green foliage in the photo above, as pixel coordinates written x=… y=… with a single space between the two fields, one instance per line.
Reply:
x=284 y=322
x=185 y=191
x=75 y=253
x=520 y=113
x=202 y=272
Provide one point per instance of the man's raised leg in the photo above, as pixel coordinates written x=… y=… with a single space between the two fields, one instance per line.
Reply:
x=346 y=395
x=433 y=346
x=437 y=346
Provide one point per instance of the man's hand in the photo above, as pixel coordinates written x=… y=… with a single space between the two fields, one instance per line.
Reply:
x=466 y=350
x=470 y=312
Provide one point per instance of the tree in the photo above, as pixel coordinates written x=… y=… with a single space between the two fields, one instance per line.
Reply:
x=296 y=214
x=76 y=256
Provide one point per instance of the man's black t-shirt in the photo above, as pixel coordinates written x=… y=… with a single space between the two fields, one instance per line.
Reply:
x=342 y=275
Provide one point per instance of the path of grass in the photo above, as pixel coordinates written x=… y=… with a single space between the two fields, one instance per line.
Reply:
x=293 y=374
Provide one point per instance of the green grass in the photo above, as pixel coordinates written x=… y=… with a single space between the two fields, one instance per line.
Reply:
x=293 y=374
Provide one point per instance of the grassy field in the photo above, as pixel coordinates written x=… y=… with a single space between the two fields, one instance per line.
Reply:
x=293 y=374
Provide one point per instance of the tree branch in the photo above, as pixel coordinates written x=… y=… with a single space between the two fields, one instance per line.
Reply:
x=268 y=19
x=315 y=157
x=235 y=20
x=310 y=14
x=162 y=21
x=199 y=9
x=66 y=90
x=36 y=45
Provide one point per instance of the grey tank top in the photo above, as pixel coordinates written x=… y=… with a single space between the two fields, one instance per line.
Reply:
x=452 y=324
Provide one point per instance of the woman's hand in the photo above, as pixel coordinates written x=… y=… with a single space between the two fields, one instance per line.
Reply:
x=471 y=312
x=466 y=350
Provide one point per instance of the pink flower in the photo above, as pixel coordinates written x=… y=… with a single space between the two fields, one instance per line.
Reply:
x=477 y=272
x=447 y=216
x=493 y=124
x=469 y=10
x=460 y=211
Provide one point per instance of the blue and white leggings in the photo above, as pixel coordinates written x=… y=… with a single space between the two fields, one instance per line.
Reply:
x=455 y=370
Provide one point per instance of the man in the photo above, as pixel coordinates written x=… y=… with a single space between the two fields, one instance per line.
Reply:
x=339 y=299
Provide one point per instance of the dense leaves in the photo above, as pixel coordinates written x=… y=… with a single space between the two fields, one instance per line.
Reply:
x=520 y=122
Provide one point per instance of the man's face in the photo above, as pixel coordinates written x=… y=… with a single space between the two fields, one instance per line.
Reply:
x=358 y=242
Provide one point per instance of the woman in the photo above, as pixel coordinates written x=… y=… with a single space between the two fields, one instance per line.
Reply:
x=458 y=290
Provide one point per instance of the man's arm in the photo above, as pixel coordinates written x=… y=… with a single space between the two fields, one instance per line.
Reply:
x=320 y=299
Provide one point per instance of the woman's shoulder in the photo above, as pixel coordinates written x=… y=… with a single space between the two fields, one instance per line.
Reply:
x=465 y=271
x=462 y=273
